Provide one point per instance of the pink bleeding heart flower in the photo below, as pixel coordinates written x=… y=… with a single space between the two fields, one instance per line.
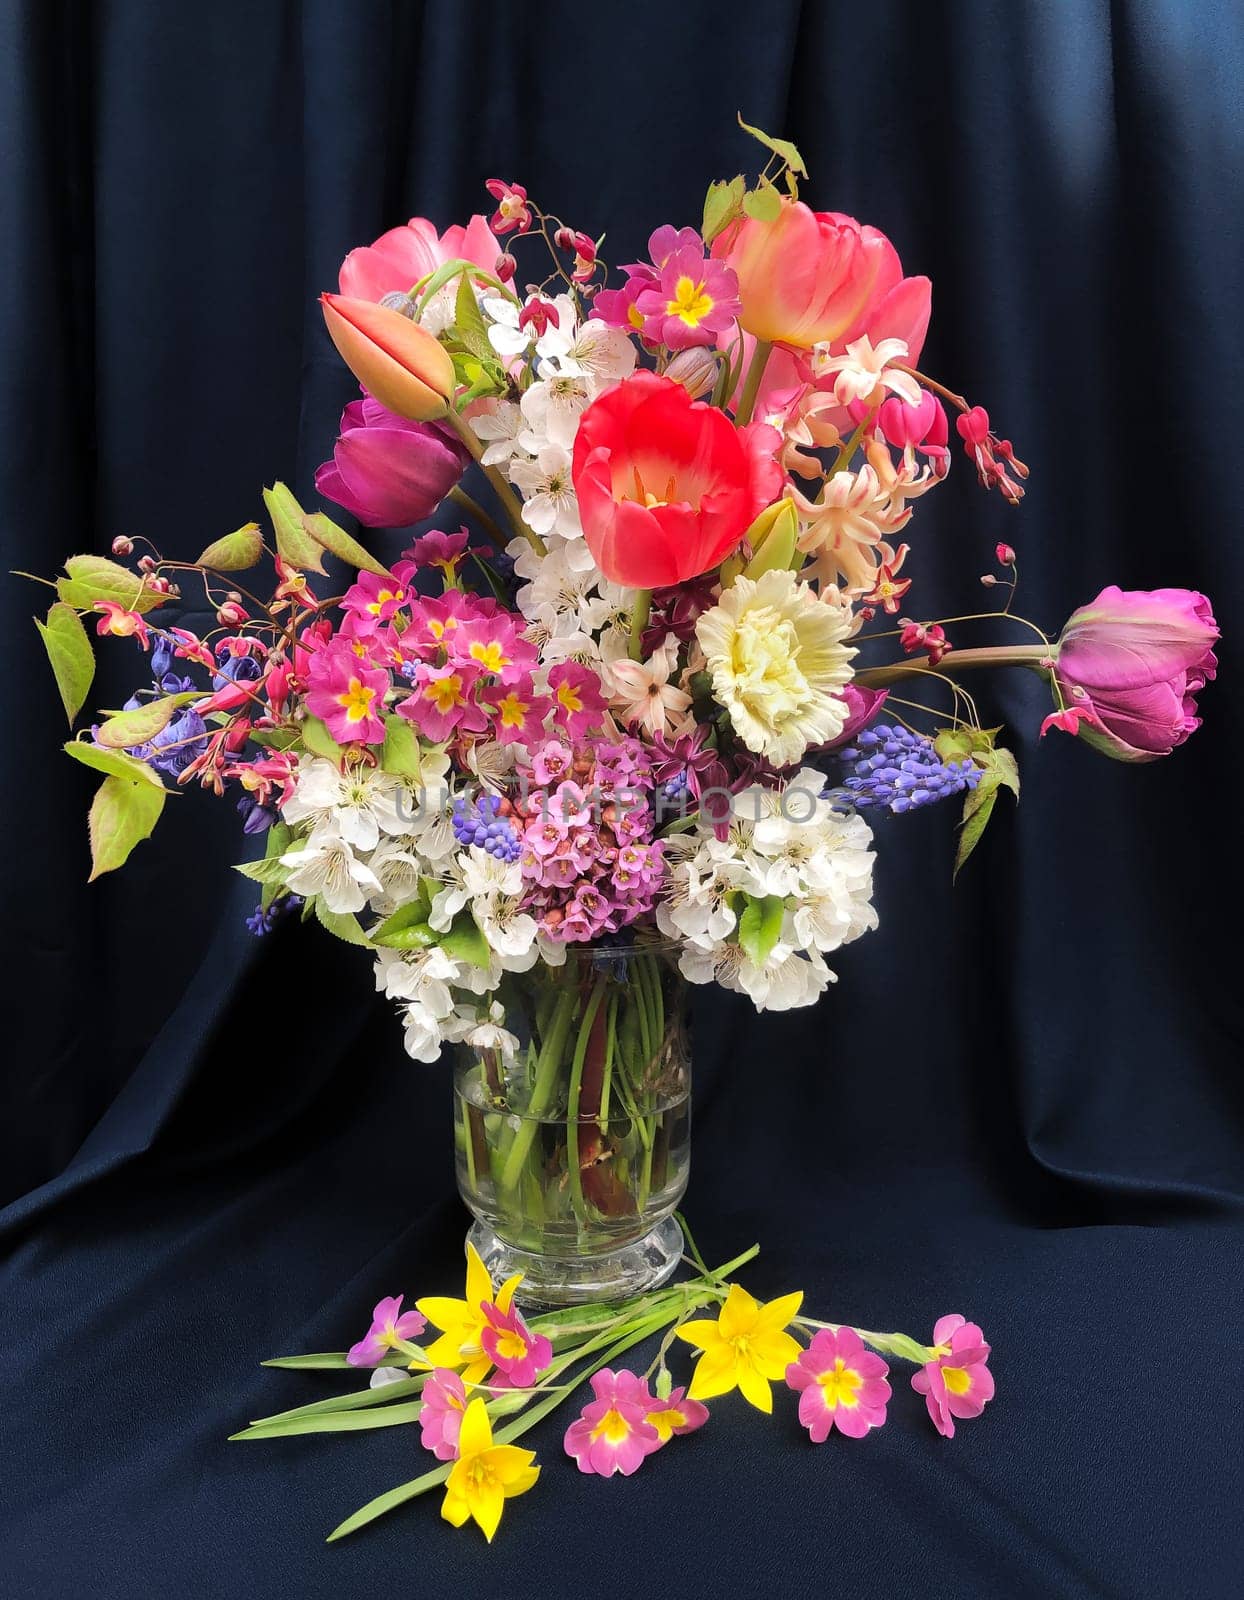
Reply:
x=520 y=1355
x=389 y=1326
x=387 y=470
x=443 y=1402
x=400 y=257
x=957 y=1382
x=1132 y=663
x=122 y=623
x=612 y=1433
x=841 y=1384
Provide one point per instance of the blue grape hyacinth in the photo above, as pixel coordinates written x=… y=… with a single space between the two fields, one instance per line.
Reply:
x=901 y=770
x=480 y=822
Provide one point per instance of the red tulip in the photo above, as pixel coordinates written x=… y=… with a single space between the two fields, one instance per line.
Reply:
x=396 y=361
x=667 y=486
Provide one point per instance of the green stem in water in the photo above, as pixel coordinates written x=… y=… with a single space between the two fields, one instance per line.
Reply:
x=542 y=1091
x=640 y=612
x=572 y=1102
x=1014 y=655
x=751 y=383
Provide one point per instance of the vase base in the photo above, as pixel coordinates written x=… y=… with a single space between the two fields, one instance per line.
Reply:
x=643 y=1264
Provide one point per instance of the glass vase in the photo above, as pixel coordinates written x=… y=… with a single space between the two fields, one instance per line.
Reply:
x=572 y=1129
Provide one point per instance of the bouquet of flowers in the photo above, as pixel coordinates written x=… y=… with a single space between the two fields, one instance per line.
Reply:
x=620 y=729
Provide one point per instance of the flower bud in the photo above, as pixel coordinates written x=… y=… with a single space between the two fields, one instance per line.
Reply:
x=403 y=304
x=1006 y=555
x=397 y=362
x=232 y=614
x=988 y=580
x=696 y=369
x=146 y=563
x=121 y=546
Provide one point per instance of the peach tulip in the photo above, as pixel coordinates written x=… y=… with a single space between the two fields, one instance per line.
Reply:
x=399 y=363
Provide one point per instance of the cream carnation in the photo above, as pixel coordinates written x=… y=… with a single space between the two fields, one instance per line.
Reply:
x=778 y=660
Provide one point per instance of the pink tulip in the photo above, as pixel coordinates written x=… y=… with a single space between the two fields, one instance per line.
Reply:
x=399 y=258
x=811 y=277
x=389 y=472
x=395 y=360
x=1133 y=661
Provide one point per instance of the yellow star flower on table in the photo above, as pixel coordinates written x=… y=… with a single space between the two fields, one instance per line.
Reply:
x=462 y=1321
x=745 y=1348
x=485 y=1474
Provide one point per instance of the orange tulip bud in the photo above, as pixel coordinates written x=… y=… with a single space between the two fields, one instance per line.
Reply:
x=395 y=360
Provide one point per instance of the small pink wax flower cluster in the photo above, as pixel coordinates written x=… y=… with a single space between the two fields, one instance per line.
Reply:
x=588 y=858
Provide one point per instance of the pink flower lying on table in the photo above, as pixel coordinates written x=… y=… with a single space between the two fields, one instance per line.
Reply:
x=957 y=1383
x=444 y=1400
x=676 y=1414
x=840 y=1384
x=613 y=1433
x=389 y=1325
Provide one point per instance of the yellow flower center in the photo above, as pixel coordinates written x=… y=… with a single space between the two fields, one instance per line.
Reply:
x=383 y=597
x=613 y=1426
x=665 y=1421
x=841 y=1385
x=956 y=1380
x=445 y=693
x=691 y=303
x=490 y=656
x=513 y=710
x=357 y=701
x=568 y=698
x=511 y=1346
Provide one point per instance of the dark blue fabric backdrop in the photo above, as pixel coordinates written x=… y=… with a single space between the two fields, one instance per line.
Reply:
x=1022 y=1101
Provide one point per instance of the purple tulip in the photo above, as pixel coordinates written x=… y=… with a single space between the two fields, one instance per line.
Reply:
x=389 y=472
x=1130 y=666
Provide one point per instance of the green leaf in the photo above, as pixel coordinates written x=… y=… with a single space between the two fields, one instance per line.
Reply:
x=390 y=1500
x=294 y=544
x=478 y=377
x=123 y=813
x=69 y=651
x=324 y=531
x=325 y=1361
x=92 y=578
x=277 y=738
x=1004 y=769
x=780 y=147
x=336 y=1422
x=318 y=740
x=235 y=552
x=136 y=727
x=406 y=929
x=268 y=870
x=760 y=926
x=402 y=1388
x=469 y=321
x=400 y=754
x=464 y=942
x=342 y=924
x=280 y=836
x=974 y=824
x=722 y=204
x=114 y=762
x=764 y=204
x=492 y=577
